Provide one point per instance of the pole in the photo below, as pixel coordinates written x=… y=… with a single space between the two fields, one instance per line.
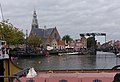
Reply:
x=2 y=69
x=94 y=44
x=2 y=20
x=44 y=36
x=26 y=39
x=1 y=12
x=105 y=38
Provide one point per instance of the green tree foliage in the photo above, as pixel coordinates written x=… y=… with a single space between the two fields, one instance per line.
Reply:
x=90 y=42
x=67 y=38
x=10 y=33
x=34 y=40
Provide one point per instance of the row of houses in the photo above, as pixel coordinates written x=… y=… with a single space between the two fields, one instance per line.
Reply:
x=110 y=46
x=52 y=40
x=75 y=44
x=51 y=37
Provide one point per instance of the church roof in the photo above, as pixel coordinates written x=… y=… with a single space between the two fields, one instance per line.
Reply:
x=38 y=32
x=49 y=31
x=42 y=32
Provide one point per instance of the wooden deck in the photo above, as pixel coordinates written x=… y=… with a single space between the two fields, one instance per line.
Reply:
x=71 y=77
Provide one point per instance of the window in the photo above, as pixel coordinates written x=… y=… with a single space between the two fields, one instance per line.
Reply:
x=63 y=80
x=97 y=80
x=30 y=81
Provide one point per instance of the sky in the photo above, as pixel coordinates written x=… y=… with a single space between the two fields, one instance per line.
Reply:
x=71 y=17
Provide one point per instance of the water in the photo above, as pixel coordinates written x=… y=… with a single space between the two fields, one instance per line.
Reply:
x=102 y=60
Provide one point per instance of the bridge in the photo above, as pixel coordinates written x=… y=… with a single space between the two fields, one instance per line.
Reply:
x=93 y=47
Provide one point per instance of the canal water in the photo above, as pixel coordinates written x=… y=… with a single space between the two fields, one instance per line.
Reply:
x=103 y=60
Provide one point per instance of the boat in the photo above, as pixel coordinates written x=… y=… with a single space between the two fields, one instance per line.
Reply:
x=70 y=53
x=67 y=75
x=3 y=50
x=22 y=53
x=85 y=75
x=73 y=53
x=60 y=54
x=71 y=76
x=33 y=75
x=118 y=54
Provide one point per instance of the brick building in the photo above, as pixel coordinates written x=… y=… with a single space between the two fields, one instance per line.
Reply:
x=47 y=34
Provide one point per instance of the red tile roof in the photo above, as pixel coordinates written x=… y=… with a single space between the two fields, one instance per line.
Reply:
x=61 y=42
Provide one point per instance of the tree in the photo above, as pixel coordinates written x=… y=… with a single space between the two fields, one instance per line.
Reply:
x=91 y=42
x=10 y=33
x=34 y=40
x=67 y=38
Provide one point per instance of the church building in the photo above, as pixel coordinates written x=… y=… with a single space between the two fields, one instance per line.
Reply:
x=47 y=34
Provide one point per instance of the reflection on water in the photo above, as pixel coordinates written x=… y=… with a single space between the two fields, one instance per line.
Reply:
x=67 y=62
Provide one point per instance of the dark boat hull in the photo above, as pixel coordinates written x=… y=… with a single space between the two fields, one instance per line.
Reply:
x=25 y=54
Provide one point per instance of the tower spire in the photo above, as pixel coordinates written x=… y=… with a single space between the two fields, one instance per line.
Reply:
x=34 y=20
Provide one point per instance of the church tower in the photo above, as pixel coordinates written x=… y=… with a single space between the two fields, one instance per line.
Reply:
x=34 y=20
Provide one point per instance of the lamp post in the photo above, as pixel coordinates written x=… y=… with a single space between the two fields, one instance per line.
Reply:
x=26 y=39
x=44 y=43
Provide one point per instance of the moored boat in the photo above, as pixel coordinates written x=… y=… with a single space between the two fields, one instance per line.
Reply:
x=20 y=53
x=73 y=76
x=98 y=75
x=118 y=54
x=70 y=53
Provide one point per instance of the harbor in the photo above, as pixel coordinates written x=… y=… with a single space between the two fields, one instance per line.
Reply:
x=60 y=41
x=103 y=60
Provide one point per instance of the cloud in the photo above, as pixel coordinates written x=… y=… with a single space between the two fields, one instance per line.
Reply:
x=69 y=16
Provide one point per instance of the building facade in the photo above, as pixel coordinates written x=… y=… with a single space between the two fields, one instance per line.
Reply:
x=47 y=35
x=84 y=41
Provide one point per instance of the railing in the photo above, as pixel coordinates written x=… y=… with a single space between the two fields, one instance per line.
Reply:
x=22 y=72
x=11 y=78
x=15 y=77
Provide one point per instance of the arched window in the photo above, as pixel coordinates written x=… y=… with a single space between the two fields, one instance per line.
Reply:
x=97 y=80
x=63 y=80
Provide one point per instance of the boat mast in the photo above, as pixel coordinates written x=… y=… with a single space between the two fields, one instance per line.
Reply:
x=2 y=59
x=1 y=12
x=2 y=37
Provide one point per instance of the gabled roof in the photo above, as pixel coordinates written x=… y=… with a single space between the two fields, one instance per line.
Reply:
x=38 y=32
x=42 y=32
x=49 y=31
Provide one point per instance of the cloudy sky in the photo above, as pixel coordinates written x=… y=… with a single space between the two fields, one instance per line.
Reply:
x=71 y=17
